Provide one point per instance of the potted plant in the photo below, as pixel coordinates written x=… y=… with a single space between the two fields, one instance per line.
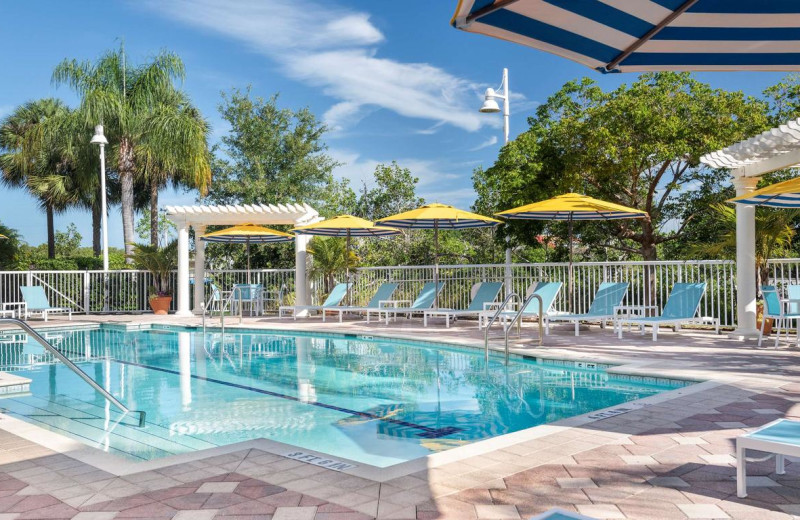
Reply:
x=760 y=317
x=160 y=262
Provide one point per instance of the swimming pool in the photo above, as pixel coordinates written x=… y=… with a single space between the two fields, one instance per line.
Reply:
x=375 y=401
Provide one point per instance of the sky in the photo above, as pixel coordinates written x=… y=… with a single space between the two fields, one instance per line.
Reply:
x=392 y=80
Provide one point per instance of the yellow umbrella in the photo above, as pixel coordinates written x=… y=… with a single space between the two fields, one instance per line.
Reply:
x=247 y=234
x=784 y=194
x=346 y=226
x=571 y=207
x=3 y=236
x=435 y=216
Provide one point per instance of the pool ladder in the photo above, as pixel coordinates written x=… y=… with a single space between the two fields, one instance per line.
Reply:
x=225 y=304
x=517 y=318
x=72 y=366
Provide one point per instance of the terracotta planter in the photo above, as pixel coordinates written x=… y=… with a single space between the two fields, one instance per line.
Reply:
x=160 y=304
x=760 y=316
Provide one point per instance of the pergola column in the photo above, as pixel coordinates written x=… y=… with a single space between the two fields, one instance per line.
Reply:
x=745 y=262
x=301 y=282
x=183 y=270
x=199 y=268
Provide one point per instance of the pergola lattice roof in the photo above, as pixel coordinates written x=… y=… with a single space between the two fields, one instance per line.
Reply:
x=772 y=150
x=243 y=214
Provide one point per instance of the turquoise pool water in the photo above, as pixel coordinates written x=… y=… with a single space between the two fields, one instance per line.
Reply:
x=378 y=401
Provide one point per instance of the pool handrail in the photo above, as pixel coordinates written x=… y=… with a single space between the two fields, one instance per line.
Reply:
x=517 y=318
x=72 y=366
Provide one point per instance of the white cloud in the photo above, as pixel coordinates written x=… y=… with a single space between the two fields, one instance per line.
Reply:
x=335 y=49
x=486 y=144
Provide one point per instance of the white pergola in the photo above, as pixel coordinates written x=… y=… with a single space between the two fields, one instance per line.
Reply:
x=199 y=217
x=747 y=160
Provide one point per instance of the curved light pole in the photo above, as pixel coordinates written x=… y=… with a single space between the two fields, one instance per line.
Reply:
x=490 y=106
x=100 y=139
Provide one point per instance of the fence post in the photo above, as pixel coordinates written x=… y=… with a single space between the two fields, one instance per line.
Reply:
x=87 y=303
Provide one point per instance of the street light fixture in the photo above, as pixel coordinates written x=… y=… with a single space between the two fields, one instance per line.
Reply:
x=490 y=106
x=100 y=139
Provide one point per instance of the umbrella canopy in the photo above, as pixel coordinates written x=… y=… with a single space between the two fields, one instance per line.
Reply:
x=638 y=36
x=346 y=226
x=784 y=194
x=247 y=234
x=438 y=216
x=571 y=207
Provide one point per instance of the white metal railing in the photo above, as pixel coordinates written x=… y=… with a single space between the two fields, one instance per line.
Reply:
x=128 y=290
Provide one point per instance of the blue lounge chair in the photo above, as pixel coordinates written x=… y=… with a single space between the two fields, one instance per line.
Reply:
x=36 y=302
x=483 y=294
x=781 y=315
x=424 y=300
x=609 y=295
x=335 y=297
x=781 y=437
x=681 y=308
x=384 y=293
x=548 y=291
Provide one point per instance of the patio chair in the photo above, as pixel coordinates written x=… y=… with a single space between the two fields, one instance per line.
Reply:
x=384 y=293
x=781 y=312
x=335 y=297
x=37 y=302
x=424 y=300
x=548 y=291
x=483 y=295
x=609 y=295
x=781 y=438
x=681 y=308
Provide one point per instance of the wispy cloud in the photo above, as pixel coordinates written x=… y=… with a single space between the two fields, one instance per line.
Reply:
x=338 y=53
x=486 y=144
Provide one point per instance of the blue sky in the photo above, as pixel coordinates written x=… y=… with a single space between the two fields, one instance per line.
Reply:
x=392 y=79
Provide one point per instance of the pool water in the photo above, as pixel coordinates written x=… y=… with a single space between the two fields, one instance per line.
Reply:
x=379 y=402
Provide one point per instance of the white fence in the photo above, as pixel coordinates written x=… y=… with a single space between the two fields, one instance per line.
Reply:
x=127 y=290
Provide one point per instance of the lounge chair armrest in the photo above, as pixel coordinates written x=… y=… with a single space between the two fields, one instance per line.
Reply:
x=490 y=305
x=392 y=303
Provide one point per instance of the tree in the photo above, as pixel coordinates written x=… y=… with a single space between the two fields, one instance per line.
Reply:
x=270 y=155
x=330 y=258
x=68 y=242
x=36 y=155
x=638 y=146
x=393 y=191
x=164 y=226
x=9 y=247
x=137 y=105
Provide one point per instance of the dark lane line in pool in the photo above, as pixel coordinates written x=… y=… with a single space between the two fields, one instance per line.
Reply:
x=425 y=431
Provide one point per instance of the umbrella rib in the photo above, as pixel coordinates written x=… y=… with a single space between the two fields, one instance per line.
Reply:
x=611 y=65
x=489 y=9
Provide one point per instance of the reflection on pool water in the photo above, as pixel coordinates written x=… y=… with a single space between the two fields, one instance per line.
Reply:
x=379 y=402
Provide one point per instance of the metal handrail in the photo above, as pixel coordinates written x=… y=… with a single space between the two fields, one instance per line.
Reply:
x=496 y=315
x=517 y=318
x=72 y=366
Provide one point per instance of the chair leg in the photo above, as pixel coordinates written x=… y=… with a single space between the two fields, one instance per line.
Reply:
x=761 y=332
x=577 y=328
x=741 y=472
x=778 y=323
x=780 y=467
x=655 y=331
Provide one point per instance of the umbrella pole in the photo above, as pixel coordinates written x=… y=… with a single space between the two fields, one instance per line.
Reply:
x=436 y=264
x=570 y=274
x=247 y=247
x=347 y=268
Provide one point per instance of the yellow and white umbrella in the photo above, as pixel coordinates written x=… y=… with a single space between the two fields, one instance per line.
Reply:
x=247 y=234
x=571 y=207
x=784 y=194
x=438 y=216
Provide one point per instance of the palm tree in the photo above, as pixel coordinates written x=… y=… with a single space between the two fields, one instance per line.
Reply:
x=774 y=234
x=330 y=258
x=37 y=157
x=136 y=104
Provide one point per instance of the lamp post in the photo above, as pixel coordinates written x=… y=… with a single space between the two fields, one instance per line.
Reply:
x=490 y=106
x=100 y=139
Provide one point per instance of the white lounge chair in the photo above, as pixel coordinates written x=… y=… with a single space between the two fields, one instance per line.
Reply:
x=681 y=308
x=781 y=437
x=485 y=293
x=384 y=293
x=609 y=296
x=424 y=300
x=334 y=298
x=548 y=291
x=37 y=302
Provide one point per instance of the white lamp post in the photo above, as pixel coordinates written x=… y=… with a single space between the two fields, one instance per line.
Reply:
x=490 y=106
x=100 y=139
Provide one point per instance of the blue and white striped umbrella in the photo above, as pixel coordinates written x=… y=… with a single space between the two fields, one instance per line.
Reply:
x=646 y=35
x=784 y=194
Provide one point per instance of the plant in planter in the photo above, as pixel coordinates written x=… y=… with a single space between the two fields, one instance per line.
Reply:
x=160 y=262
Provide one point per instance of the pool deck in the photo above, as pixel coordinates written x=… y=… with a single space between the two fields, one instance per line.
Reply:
x=672 y=458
